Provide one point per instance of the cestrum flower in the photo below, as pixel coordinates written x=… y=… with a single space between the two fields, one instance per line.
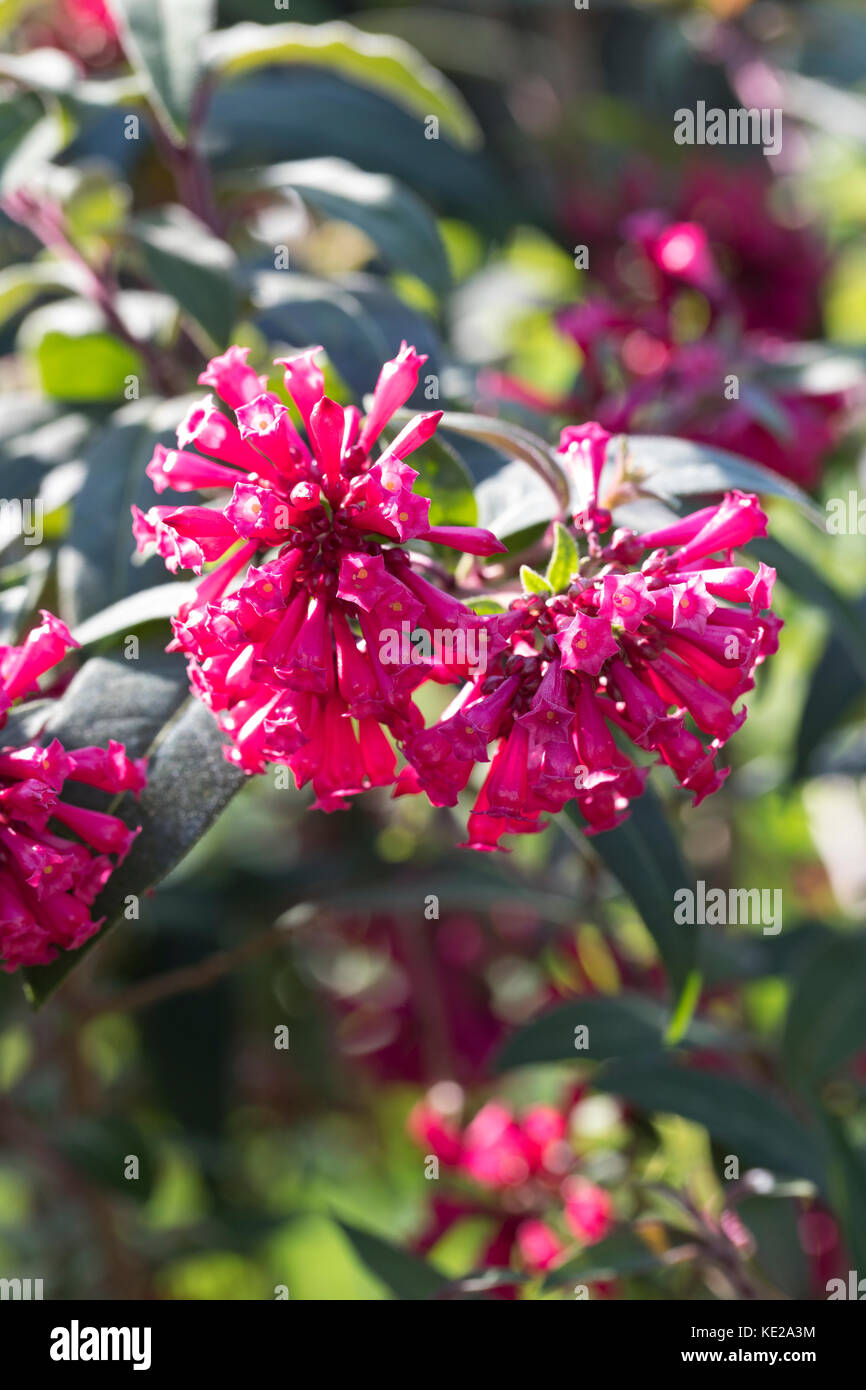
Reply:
x=54 y=857
x=656 y=638
x=521 y=1171
x=296 y=654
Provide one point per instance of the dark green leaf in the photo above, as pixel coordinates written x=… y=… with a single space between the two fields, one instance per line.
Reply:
x=187 y=261
x=750 y=1123
x=131 y=613
x=407 y=1276
x=299 y=310
x=834 y=685
x=359 y=322
x=618 y=1025
x=826 y=1021
x=97 y=562
x=101 y=1149
x=795 y=571
x=251 y=123
x=514 y=499
x=643 y=856
x=846 y=1168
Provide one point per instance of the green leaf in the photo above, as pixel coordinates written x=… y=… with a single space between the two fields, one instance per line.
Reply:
x=37 y=146
x=93 y=367
x=516 y=443
x=164 y=42
x=816 y=368
x=514 y=499
x=622 y=1253
x=835 y=683
x=99 y=1149
x=564 y=561
x=147 y=606
x=395 y=219
x=299 y=310
x=803 y=579
x=407 y=1276
x=386 y=64
x=187 y=261
x=763 y=406
x=750 y=1123
x=97 y=563
x=251 y=124
x=643 y=856
x=359 y=327
x=18 y=116
x=847 y=1183
x=616 y=1026
x=21 y=284
x=826 y=1020
x=533 y=582
x=148 y=709
x=75 y=349
x=669 y=467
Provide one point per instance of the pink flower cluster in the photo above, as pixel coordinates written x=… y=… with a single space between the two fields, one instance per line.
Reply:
x=296 y=661
x=685 y=302
x=630 y=649
x=639 y=376
x=54 y=857
x=528 y=1173
x=774 y=264
x=293 y=654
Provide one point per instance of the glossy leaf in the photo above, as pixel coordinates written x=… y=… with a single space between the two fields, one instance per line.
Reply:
x=164 y=43
x=384 y=63
x=395 y=219
x=672 y=467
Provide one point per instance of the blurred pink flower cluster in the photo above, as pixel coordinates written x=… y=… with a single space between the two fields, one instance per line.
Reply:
x=689 y=319
x=520 y=1170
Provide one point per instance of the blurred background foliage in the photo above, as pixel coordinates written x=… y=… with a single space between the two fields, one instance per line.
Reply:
x=267 y=1168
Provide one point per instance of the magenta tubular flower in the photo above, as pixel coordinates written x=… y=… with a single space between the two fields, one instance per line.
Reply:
x=651 y=650
x=304 y=657
x=48 y=880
